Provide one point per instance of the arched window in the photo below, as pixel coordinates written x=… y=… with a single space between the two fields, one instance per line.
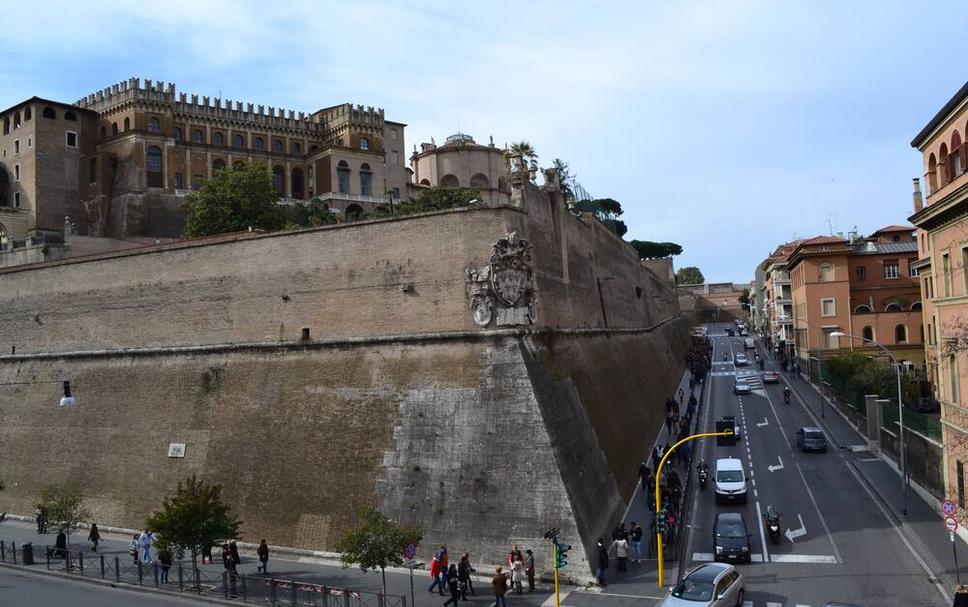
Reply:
x=366 y=180
x=70 y=116
x=354 y=212
x=364 y=143
x=932 y=173
x=943 y=161
x=238 y=165
x=279 y=180
x=893 y=307
x=916 y=306
x=218 y=138
x=343 y=177
x=16 y=120
x=867 y=333
x=826 y=271
x=154 y=125
x=260 y=144
x=218 y=164
x=957 y=165
x=479 y=180
x=424 y=182
x=296 y=181
x=449 y=181
x=863 y=309
x=238 y=141
x=198 y=136
x=277 y=146
x=104 y=132
x=27 y=113
x=114 y=128
x=176 y=134
x=154 y=167
x=48 y=112
x=295 y=148
x=900 y=334
x=127 y=124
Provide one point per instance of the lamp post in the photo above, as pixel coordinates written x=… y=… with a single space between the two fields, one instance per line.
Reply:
x=900 y=410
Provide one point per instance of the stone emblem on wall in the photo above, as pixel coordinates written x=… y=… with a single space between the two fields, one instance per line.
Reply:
x=504 y=288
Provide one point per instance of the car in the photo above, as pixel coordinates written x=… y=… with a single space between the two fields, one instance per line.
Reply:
x=771 y=377
x=740 y=360
x=741 y=386
x=708 y=585
x=730 y=480
x=811 y=438
x=736 y=429
x=924 y=404
x=731 y=540
x=744 y=333
x=748 y=343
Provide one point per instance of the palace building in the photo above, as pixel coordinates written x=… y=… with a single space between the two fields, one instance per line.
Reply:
x=119 y=162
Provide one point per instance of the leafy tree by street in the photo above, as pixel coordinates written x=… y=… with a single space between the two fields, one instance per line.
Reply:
x=65 y=509
x=376 y=542
x=655 y=250
x=194 y=518
x=689 y=275
x=234 y=200
x=437 y=198
x=314 y=213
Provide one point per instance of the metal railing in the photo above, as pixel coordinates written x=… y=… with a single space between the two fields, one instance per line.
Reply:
x=181 y=577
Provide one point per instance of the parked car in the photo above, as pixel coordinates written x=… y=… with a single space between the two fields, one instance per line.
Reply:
x=708 y=585
x=811 y=438
x=925 y=404
x=741 y=361
x=740 y=386
x=730 y=480
x=731 y=540
x=771 y=377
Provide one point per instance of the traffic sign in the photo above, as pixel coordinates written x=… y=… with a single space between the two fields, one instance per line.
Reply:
x=410 y=551
x=951 y=523
x=949 y=508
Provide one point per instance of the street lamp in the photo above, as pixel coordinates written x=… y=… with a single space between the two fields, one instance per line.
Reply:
x=900 y=410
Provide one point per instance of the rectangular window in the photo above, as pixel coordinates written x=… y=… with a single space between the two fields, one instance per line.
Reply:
x=71 y=139
x=828 y=307
x=955 y=389
x=29 y=142
x=197 y=181
x=396 y=193
x=92 y=170
x=396 y=157
x=912 y=271
x=16 y=172
x=861 y=273
x=16 y=146
x=960 y=473
x=16 y=200
x=830 y=341
x=890 y=269
x=946 y=273
x=179 y=181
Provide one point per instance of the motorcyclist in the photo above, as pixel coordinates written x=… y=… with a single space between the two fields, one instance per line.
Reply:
x=786 y=394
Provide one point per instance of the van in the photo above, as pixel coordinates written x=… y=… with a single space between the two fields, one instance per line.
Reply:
x=730 y=481
x=750 y=344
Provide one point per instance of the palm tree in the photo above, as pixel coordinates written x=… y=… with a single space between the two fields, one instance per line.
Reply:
x=523 y=149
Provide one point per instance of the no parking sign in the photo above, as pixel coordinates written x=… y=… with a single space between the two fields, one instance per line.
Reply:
x=949 y=508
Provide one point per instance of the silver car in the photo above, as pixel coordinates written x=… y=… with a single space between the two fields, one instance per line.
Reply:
x=709 y=585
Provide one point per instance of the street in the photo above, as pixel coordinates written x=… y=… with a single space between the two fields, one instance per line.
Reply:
x=30 y=589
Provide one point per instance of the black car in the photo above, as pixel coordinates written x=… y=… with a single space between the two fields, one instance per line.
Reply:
x=811 y=438
x=731 y=540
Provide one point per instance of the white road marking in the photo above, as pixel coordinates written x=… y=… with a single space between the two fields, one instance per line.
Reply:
x=816 y=559
x=754 y=483
x=759 y=519
x=773 y=604
x=628 y=596
x=871 y=459
x=772 y=468
x=708 y=557
x=752 y=473
x=551 y=598
x=756 y=493
x=766 y=422
x=792 y=534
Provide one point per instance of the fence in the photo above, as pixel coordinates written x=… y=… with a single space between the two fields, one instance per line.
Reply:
x=120 y=567
x=926 y=424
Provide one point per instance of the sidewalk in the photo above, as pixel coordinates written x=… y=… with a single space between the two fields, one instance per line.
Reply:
x=311 y=569
x=923 y=527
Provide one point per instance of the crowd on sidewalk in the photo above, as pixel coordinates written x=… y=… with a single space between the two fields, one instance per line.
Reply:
x=455 y=578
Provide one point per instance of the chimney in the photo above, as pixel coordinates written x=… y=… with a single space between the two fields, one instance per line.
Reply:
x=918 y=203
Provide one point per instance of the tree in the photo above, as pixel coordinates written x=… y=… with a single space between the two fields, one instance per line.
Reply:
x=564 y=178
x=376 y=542
x=64 y=508
x=234 y=200
x=523 y=149
x=194 y=518
x=655 y=250
x=314 y=213
x=744 y=299
x=689 y=275
x=437 y=198
x=605 y=210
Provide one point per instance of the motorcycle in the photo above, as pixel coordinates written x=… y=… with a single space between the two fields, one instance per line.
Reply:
x=772 y=524
x=786 y=396
x=703 y=474
x=725 y=356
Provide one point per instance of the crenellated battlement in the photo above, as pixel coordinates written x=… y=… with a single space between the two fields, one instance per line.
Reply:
x=132 y=90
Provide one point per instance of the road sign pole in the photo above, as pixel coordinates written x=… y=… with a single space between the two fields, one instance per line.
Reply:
x=954 y=551
x=554 y=551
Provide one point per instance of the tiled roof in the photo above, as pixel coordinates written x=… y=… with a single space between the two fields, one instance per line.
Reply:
x=895 y=228
x=882 y=248
x=824 y=240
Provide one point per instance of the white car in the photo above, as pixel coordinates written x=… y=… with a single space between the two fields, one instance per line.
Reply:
x=709 y=585
x=741 y=360
x=730 y=480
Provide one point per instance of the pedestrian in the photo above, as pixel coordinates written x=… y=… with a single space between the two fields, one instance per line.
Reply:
x=453 y=585
x=165 y=560
x=517 y=575
x=234 y=549
x=602 y=563
x=514 y=555
x=500 y=585
x=464 y=571
x=60 y=545
x=961 y=596
x=686 y=452
x=94 y=537
x=146 y=538
x=435 y=574
x=134 y=546
x=681 y=394
x=645 y=474
x=41 y=517
x=669 y=421
x=263 y=552
x=635 y=542
x=228 y=561
x=529 y=569
x=621 y=549
x=656 y=457
x=207 y=554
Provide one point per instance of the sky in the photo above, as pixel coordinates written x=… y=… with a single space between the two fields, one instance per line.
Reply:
x=727 y=127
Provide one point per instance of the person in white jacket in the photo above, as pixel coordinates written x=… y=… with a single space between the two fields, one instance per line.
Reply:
x=620 y=547
x=517 y=574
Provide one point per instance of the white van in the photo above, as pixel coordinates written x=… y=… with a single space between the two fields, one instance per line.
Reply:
x=730 y=481
x=750 y=344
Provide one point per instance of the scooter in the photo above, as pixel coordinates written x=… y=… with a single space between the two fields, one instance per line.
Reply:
x=786 y=396
x=703 y=474
x=772 y=524
x=725 y=356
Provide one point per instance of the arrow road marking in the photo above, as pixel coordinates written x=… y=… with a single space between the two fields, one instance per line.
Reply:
x=791 y=534
x=775 y=468
x=766 y=422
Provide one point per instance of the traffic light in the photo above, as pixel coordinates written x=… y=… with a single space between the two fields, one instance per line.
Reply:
x=724 y=426
x=660 y=520
x=561 y=554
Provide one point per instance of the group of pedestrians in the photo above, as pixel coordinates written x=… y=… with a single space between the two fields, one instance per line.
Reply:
x=455 y=578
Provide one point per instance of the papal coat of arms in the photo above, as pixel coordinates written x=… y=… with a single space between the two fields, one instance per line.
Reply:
x=507 y=281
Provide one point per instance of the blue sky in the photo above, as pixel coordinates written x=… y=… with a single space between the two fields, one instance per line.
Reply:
x=727 y=127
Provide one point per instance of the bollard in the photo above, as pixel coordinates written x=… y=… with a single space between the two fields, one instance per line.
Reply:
x=80 y=561
x=245 y=592
x=181 y=578
x=117 y=570
x=3 y=551
x=141 y=575
x=225 y=583
x=292 y=594
x=102 y=566
x=272 y=592
x=13 y=545
x=154 y=566
x=324 y=600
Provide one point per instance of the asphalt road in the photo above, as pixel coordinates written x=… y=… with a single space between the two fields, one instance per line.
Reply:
x=28 y=589
x=839 y=544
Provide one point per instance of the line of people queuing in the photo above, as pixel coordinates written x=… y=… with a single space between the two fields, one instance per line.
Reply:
x=456 y=579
